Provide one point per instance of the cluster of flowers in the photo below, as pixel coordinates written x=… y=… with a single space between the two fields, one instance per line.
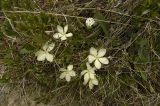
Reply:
x=96 y=57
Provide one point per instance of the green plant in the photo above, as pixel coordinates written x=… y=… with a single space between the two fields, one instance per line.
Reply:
x=129 y=31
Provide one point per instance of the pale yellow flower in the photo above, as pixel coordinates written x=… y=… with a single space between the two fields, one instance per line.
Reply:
x=97 y=56
x=89 y=73
x=67 y=73
x=62 y=33
x=44 y=52
x=93 y=82
x=89 y=76
x=90 y=22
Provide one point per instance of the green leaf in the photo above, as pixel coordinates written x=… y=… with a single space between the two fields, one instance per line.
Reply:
x=146 y=12
x=97 y=31
x=142 y=72
x=103 y=25
x=28 y=48
x=151 y=88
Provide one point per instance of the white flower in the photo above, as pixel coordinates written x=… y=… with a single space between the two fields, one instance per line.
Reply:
x=44 y=53
x=67 y=73
x=89 y=73
x=62 y=33
x=90 y=76
x=97 y=57
x=93 y=82
x=90 y=22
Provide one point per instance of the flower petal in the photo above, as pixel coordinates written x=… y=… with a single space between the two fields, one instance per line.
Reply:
x=60 y=35
x=88 y=66
x=83 y=72
x=49 y=57
x=93 y=51
x=90 y=85
x=60 y=29
x=63 y=38
x=97 y=64
x=62 y=69
x=101 y=52
x=86 y=78
x=40 y=55
x=69 y=35
x=68 y=77
x=104 y=60
x=40 y=52
x=95 y=81
x=72 y=73
x=65 y=29
x=92 y=70
x=45 y=46
x=50 y=47
x=63 y=75
x=56 y=35
x=92 y=76
x=91 y=58
x=70 y=67
x=90 y=22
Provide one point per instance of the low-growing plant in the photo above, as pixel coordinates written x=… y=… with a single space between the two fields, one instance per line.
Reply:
x=80 y=53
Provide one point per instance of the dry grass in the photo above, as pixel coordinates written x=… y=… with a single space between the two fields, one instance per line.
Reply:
x=130 y=35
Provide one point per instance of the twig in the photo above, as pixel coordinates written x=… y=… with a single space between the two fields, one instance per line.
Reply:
x=71 y=16
x=12 y=26
x=112 y=11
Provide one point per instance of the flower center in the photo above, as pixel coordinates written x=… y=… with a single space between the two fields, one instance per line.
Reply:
x=96 y=57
